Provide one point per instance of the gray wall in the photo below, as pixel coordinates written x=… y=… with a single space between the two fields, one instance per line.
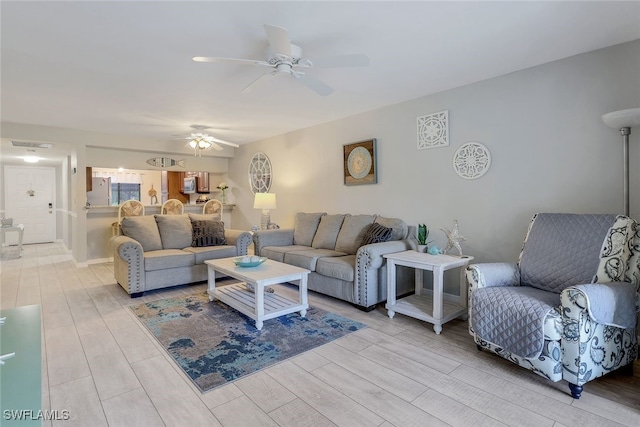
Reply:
x=550 y=152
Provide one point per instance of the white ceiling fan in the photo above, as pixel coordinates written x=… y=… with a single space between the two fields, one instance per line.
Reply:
x=201 y=141
x=286 y=58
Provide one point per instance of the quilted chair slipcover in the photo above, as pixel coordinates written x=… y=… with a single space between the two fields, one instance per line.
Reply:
x=567 y=310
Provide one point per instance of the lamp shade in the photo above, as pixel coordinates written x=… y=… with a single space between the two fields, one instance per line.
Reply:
x=623 y=118
x=264 y=201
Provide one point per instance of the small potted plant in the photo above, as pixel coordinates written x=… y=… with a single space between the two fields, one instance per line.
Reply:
x=423 y=233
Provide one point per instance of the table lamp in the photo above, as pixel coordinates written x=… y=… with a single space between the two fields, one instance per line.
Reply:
x=264 y=201
x=624 y=120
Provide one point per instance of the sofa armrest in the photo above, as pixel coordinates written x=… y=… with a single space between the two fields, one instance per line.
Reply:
x=241 y=239
x=492 y=274
x=595 y=343
x=371 y=255
x=128 y=263
x=611 y=304
x=277 y=237
x=369 y=282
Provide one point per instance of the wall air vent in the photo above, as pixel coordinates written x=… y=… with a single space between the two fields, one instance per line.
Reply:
x=31 y=144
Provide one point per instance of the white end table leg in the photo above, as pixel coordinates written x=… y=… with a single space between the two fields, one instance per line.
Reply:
x=391 y=287
x=211 y=273
x=438 y=285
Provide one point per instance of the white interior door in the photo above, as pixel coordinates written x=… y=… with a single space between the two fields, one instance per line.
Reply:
x=29 y=198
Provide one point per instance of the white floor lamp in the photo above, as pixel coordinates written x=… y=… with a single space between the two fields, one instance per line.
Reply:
x=624 y=120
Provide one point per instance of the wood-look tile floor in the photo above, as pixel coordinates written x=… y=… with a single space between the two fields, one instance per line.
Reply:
x=100 y=364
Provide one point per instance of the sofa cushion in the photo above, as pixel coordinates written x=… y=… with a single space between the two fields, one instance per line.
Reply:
x=204 y=217
x=277 y=253
x=305 y=227
x=207 y=233
x=308 y=258
x=399 y=228
x=327 y=232
x=144 y=230
x=175 y=231
x=168 y=258
x=341 y=267
x=376 y=233
x=212 y=252
x=352 y=232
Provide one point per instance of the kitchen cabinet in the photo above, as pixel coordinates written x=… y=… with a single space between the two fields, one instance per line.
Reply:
x=88 y=176
x=202 y=181
x=175 y=186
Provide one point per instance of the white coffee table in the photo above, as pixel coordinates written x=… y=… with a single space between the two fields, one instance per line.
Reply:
x=430 y=308
x=258 y=305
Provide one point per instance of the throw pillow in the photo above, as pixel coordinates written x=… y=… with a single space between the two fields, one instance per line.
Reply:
x=175 y=231
x=144 y=230
x=207 y=233
x=327 y=233
x=376 y=233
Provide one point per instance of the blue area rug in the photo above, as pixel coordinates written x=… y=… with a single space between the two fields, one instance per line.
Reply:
x=215 y=344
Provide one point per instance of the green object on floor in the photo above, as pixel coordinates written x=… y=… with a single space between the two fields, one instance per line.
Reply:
x=21 y=375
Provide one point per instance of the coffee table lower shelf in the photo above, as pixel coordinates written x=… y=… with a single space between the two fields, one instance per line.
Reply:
x=243 y=300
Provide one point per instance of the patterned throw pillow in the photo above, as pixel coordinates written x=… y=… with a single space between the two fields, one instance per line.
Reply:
x=207 y=233
x=376 y=233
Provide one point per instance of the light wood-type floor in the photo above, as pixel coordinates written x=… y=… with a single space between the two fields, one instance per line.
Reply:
x=101 y=365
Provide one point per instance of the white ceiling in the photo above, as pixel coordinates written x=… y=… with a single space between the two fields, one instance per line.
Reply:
x=125 y=67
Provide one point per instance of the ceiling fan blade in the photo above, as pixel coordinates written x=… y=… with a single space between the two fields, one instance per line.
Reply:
x=258 y=82
x=216 y=146
x=234 y=60
x=278 y=39
x=351 y=60
x=213 y=139
x=314 y=84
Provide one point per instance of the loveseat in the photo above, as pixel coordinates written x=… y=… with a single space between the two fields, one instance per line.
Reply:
x=337 y=249
x=158 y=251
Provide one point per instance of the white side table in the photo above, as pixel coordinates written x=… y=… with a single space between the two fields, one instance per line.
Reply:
x=20 y=229
x=430 y=308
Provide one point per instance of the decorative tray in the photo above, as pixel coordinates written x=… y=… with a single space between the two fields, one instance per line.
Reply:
x=249 y=261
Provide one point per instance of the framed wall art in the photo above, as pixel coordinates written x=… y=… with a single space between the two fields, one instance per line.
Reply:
x=360 y=163
x=433 y=130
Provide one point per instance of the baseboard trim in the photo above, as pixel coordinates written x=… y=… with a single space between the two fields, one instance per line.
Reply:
x=100 y=260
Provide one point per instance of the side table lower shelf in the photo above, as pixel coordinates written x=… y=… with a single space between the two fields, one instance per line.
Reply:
x=421 y=307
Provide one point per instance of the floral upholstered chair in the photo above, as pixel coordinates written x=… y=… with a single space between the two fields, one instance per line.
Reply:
x=568 y=309
x=172 y=207
x=213 y=207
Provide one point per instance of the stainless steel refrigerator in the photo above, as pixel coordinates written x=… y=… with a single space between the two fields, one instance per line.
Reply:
x=100 y=195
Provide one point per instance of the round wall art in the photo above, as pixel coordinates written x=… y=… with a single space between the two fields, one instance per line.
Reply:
x=471 y=160
x=260 y=173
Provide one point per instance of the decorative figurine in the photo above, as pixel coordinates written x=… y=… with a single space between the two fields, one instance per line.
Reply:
x=454 y=237
x=434 y=250
x=153 y=193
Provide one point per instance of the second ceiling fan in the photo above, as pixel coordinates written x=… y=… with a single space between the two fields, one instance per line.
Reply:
x=286 y=58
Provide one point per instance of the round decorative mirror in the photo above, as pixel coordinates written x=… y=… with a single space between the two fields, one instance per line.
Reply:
x=260 y=173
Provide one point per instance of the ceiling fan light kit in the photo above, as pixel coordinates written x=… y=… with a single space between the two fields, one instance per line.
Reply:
x=286 y=58
x=200 y=141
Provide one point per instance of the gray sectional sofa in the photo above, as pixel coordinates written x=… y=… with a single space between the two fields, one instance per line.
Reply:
x=158 y=251
x=330 y=246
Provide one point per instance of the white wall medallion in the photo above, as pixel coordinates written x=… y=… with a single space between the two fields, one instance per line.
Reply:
x=471 y=160
x=260 y=173
x=433 y=130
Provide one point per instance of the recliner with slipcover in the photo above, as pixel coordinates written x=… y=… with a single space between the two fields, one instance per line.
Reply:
x=567 y=310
